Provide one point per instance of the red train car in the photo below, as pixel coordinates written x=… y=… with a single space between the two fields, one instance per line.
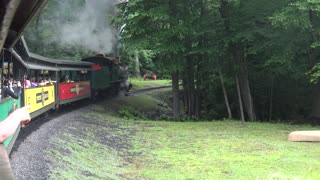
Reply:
x=73 y=91
x=72 y=79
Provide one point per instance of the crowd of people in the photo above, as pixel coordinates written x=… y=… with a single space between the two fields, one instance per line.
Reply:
x=13 y=88
x=10 y=88
x=31 y=82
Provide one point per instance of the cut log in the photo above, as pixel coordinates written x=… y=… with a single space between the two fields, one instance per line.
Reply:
x=304 y=136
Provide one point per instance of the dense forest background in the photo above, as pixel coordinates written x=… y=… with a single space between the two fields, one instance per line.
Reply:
x=249 y=60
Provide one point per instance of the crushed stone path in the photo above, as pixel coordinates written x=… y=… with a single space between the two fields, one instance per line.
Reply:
x=28 y=159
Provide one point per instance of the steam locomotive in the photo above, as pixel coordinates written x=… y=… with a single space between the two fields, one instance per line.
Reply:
x=46 y=83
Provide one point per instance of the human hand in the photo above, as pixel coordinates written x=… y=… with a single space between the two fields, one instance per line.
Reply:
x=22 y=115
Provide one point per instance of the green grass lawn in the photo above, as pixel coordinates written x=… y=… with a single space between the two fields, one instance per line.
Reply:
x=108 y=146
x=139 y=83
x=223 y=150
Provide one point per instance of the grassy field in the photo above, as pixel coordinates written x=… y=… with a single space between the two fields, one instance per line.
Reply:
x=116 y=146
x=139 y=83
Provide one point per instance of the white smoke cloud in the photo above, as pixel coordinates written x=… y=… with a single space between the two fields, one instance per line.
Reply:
x=91 y=29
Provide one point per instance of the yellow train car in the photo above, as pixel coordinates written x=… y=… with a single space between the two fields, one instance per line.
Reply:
x=41 y=99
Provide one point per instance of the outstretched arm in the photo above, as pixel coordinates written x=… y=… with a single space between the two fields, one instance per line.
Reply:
x=10 y=124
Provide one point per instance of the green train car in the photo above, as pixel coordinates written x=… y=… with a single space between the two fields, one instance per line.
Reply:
x=8 y=105
x=108 y=75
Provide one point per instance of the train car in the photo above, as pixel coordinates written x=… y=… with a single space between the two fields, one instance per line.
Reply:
x=14 y=18
x=101 y=76
x=107 y=74
x=45 y=83
x=72 y=79
x=48 y=83
x=7 y=106
x=74 y=91
x=39 y=87
x=9 y=100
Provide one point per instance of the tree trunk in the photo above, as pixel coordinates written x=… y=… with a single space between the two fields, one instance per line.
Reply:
x=137 y=65
x=175 y=93
x=240 y=99
x=197 y=104
x=191 y=87
x=271 y=99
x=314 y=24
x=315 y=112
x=240 y=60
x=190 y=91
x=244 y=82
x=225 y=13
x=199 y=92
x=226 y=100
x=185 y=94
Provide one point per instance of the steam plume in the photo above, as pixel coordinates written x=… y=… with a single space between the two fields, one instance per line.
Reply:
x=91 y=29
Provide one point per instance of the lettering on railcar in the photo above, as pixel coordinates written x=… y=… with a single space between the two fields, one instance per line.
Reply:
x=76 y=89
x=42 y=97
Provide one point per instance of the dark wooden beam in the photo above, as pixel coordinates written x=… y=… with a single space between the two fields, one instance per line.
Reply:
x=7 y=18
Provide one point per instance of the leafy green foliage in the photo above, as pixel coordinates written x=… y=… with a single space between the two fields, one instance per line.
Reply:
x=145 y=57
x=276 y=40
x=314 y=74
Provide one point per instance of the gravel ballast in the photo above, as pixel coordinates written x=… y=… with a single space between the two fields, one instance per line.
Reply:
x=28 y=158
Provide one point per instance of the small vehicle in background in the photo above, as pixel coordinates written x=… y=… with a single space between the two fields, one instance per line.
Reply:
x=150 y=75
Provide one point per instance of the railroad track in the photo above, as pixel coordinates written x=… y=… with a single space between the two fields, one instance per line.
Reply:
x=134 y=92
x=37 y=122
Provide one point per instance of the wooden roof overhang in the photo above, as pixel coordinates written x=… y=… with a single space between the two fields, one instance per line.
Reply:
x=101 y=60
x=62 y=65
x=15 y=15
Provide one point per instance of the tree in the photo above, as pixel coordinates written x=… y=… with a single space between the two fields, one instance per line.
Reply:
x=304 y=17
x=244 y=42
x=162 y=35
